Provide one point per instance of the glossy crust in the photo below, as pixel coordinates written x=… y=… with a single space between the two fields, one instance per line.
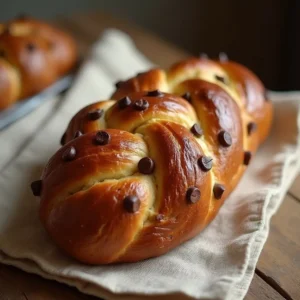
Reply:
x=83 y=200
x=33 y=55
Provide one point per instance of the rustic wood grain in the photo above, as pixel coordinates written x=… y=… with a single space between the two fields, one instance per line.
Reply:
x=260 y=290
x=18 y=285
x=279 y=263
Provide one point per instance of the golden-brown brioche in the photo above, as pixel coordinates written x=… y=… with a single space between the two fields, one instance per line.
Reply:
x=10 y=84
x=238 y=81
x=141 y=174
x=33 y=55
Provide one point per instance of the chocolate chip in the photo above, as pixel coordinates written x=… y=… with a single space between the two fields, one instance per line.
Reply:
x=141 y=104
x=160 y=217
x=218 y=190
x=118 y=84
x=203 y=56
x=205 y=163
x=63 y=139
x=247 y=157
x=193 y=194
x=187 y=96
x=69 y=154
x=36 y=187
x=95 y=114
x=223 y=57
x=132 y=203
x=221 y=78
x=224 y=138
x=196 y=130
x=155 y=93
x=251 y=127
x=2 y=53
x=146 y=165
x=124 y=102
x=77 y=134
x=30 y=47
x=102 y=138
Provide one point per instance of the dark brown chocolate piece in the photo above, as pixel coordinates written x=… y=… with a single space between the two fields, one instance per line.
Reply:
x=205 y=163
x=132 y=204
x=124 y=102
x=247 y=157
x=193 y=195
x=196 y=130
x=218 y=190
x=221 y=79
x=36 y=187
x=102 y=138
x=146 y=165
x=63 y=139
x=155 y=93
x=118 y=84
x=69 y=154
x=251 y=127
x=224 y=138
x=95 y=114
x=141 y=104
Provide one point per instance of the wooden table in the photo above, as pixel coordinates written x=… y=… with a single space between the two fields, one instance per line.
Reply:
x=277 y=275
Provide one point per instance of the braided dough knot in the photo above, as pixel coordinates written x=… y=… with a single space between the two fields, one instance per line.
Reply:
x=143 y=173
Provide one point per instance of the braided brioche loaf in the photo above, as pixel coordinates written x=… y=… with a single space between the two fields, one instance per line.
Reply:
x=33 y=55
x=139 y=176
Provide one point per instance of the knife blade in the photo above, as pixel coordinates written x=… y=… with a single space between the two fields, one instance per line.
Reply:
x=24 y=107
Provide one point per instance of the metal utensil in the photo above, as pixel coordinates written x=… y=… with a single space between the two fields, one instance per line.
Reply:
x=22 y=108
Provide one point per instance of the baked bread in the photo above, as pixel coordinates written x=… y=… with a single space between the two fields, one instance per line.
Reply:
x=145 y=172
x=33 y=55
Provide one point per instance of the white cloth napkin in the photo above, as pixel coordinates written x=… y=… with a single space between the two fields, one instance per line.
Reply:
x=217 y=264
x=16 y=136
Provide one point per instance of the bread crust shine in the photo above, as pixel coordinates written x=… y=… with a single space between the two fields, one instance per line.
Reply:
x=33 y=55
x=141 y=174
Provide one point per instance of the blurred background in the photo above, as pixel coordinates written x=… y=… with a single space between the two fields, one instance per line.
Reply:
x=261 y=34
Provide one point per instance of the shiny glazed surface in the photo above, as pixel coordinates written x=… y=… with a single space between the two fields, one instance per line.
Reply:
x=83 y=199
x=33 y=55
